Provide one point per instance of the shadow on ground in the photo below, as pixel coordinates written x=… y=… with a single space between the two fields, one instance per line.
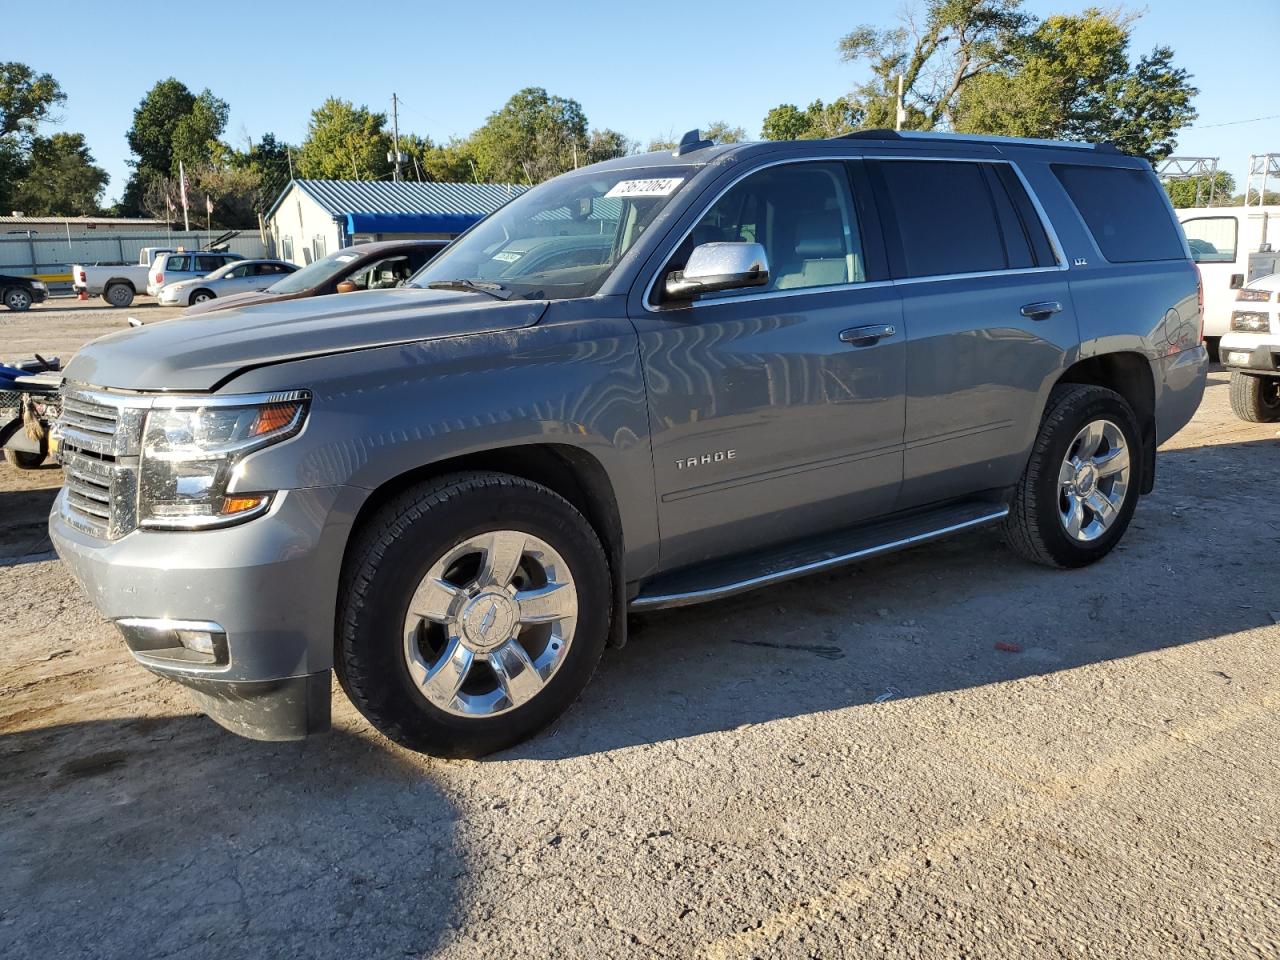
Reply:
x=329 y=848
x=946 y=616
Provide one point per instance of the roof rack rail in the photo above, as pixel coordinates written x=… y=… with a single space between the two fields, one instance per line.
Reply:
x=1106 y=146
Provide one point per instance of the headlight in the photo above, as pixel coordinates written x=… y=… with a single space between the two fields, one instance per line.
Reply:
x=1250 y=321
x=191 y=446
x=1254 y=296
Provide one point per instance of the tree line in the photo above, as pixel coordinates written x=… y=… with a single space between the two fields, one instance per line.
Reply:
x=968 y=66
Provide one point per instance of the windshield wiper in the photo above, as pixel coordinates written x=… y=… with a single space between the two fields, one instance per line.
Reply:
x=495 y=290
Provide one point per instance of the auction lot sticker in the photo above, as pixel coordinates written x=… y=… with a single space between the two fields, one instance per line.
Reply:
x=660 y=187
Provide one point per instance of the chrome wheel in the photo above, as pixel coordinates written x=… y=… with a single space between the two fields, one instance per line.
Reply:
x=1093 y=480
x=18 y=300
x=490 y=623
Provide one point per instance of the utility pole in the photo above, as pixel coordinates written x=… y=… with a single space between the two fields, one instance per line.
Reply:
x=901 y=114
x=395 y=136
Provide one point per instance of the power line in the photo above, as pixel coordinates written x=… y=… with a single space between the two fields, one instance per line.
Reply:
x=1234 y=123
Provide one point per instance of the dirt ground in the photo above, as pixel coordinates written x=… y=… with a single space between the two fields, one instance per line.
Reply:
x=946 y=753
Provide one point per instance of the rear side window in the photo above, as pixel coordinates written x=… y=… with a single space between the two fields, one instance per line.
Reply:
x=956 y=217
x=180 y=262
x=1124 y=210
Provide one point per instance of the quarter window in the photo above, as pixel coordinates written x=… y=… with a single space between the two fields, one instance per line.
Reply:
x=802 y=214
x=1211 y=239
x=1125 y=210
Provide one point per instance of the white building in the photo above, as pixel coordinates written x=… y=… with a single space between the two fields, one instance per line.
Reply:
x=312 y=218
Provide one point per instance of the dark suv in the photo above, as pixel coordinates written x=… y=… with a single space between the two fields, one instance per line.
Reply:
x=19 y=293
x=655 y=381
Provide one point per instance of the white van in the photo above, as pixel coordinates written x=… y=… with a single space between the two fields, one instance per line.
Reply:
x=1231 y=246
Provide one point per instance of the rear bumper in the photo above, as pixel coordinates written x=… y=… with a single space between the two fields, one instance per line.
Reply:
x=266 y=590
x=1180 y=380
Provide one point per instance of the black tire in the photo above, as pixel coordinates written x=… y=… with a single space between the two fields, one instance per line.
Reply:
x=17 y=299
x=118 y=294
x=23 y=459
x=1034 y=528
x=200 y=296
x=392 y=553
x=1255 y=399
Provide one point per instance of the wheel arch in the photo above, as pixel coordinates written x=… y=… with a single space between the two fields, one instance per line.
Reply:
x=1128 y=373
x=124 y=280
x=569 y=471
x=191 y=297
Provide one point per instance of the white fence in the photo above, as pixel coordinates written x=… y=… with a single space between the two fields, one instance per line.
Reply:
x=51 y=256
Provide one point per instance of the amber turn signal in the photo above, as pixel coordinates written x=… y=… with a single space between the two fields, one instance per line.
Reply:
x=233 y=505
x=273 y=417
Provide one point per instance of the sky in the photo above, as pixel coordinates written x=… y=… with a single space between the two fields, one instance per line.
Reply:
x=652 y=69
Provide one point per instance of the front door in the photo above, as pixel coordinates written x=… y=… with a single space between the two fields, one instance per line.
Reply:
x=776 y=412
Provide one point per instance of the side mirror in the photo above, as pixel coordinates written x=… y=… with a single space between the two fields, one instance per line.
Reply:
x=346 y=286
x=718 y=266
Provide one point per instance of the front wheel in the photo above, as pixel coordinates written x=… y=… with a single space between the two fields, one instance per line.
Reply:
x=17 y=299
x=1078 y=492
x=475 y=610
x=1255 y=399
x=200 y=296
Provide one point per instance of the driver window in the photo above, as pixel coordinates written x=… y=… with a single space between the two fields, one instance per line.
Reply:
x=802 y=214
x=382 y=275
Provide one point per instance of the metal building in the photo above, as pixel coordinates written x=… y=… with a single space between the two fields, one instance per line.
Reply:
x=312 y=218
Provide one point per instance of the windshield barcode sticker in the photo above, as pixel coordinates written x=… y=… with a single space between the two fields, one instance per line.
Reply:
x=645 y=188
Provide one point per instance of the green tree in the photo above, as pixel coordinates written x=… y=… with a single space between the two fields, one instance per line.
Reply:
x=27 y=99
x=1182 y=193
x=344 y=142
x=607 y=144
x=534 y=136
x=718 y=131
x=953 y=42
x=61 y=178
x=818 y=120
x=1071 y=78
x=170 y=125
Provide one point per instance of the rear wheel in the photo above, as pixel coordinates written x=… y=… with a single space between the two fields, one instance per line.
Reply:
x=1078 y=492
x=118 y=294
x=1255 y=399
x=23 y=459
x=475 y=610
x=17 y=299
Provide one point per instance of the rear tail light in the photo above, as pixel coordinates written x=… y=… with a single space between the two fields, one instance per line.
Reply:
x=82 y=276
x=160 y=280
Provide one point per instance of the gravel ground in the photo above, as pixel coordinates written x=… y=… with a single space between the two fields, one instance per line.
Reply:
x=846 y=765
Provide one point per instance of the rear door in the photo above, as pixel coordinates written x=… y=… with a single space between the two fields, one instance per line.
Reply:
x=988 y=316
x=770 y=419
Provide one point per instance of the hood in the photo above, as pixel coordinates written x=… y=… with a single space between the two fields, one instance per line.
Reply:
x=199 y=352
x=244 y=299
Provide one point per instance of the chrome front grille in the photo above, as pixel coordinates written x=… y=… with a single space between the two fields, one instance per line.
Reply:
x=99 y=438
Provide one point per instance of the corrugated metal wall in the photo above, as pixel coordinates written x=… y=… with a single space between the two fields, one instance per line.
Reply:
x=53 y=255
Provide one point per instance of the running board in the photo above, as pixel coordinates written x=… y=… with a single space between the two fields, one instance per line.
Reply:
x=728 y=577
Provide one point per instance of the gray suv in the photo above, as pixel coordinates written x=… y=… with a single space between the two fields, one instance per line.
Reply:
x=656 y=381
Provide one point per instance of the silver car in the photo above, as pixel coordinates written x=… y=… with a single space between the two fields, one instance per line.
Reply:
x=242 y=276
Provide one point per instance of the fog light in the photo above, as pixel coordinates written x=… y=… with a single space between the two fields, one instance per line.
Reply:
x=201 y=641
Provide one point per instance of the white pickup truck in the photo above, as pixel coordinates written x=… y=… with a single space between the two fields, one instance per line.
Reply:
x=119 y=283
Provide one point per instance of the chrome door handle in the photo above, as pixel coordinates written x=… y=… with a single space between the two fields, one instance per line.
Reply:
x=1042 y=310
x=866 y=336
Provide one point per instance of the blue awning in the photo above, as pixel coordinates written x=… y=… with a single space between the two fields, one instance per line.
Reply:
x=409 y=222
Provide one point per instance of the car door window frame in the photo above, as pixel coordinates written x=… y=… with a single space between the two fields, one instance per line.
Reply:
x=867 y=222
x=892 y=237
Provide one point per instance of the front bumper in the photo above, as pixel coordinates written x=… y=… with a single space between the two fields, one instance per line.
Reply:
x=269 y=585
x=1258 y=352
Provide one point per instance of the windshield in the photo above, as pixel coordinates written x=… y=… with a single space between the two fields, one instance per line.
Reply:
x=313 y=274
x=562 y=239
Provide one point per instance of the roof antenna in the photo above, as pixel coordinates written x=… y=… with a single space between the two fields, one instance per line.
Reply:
x=690 y=142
